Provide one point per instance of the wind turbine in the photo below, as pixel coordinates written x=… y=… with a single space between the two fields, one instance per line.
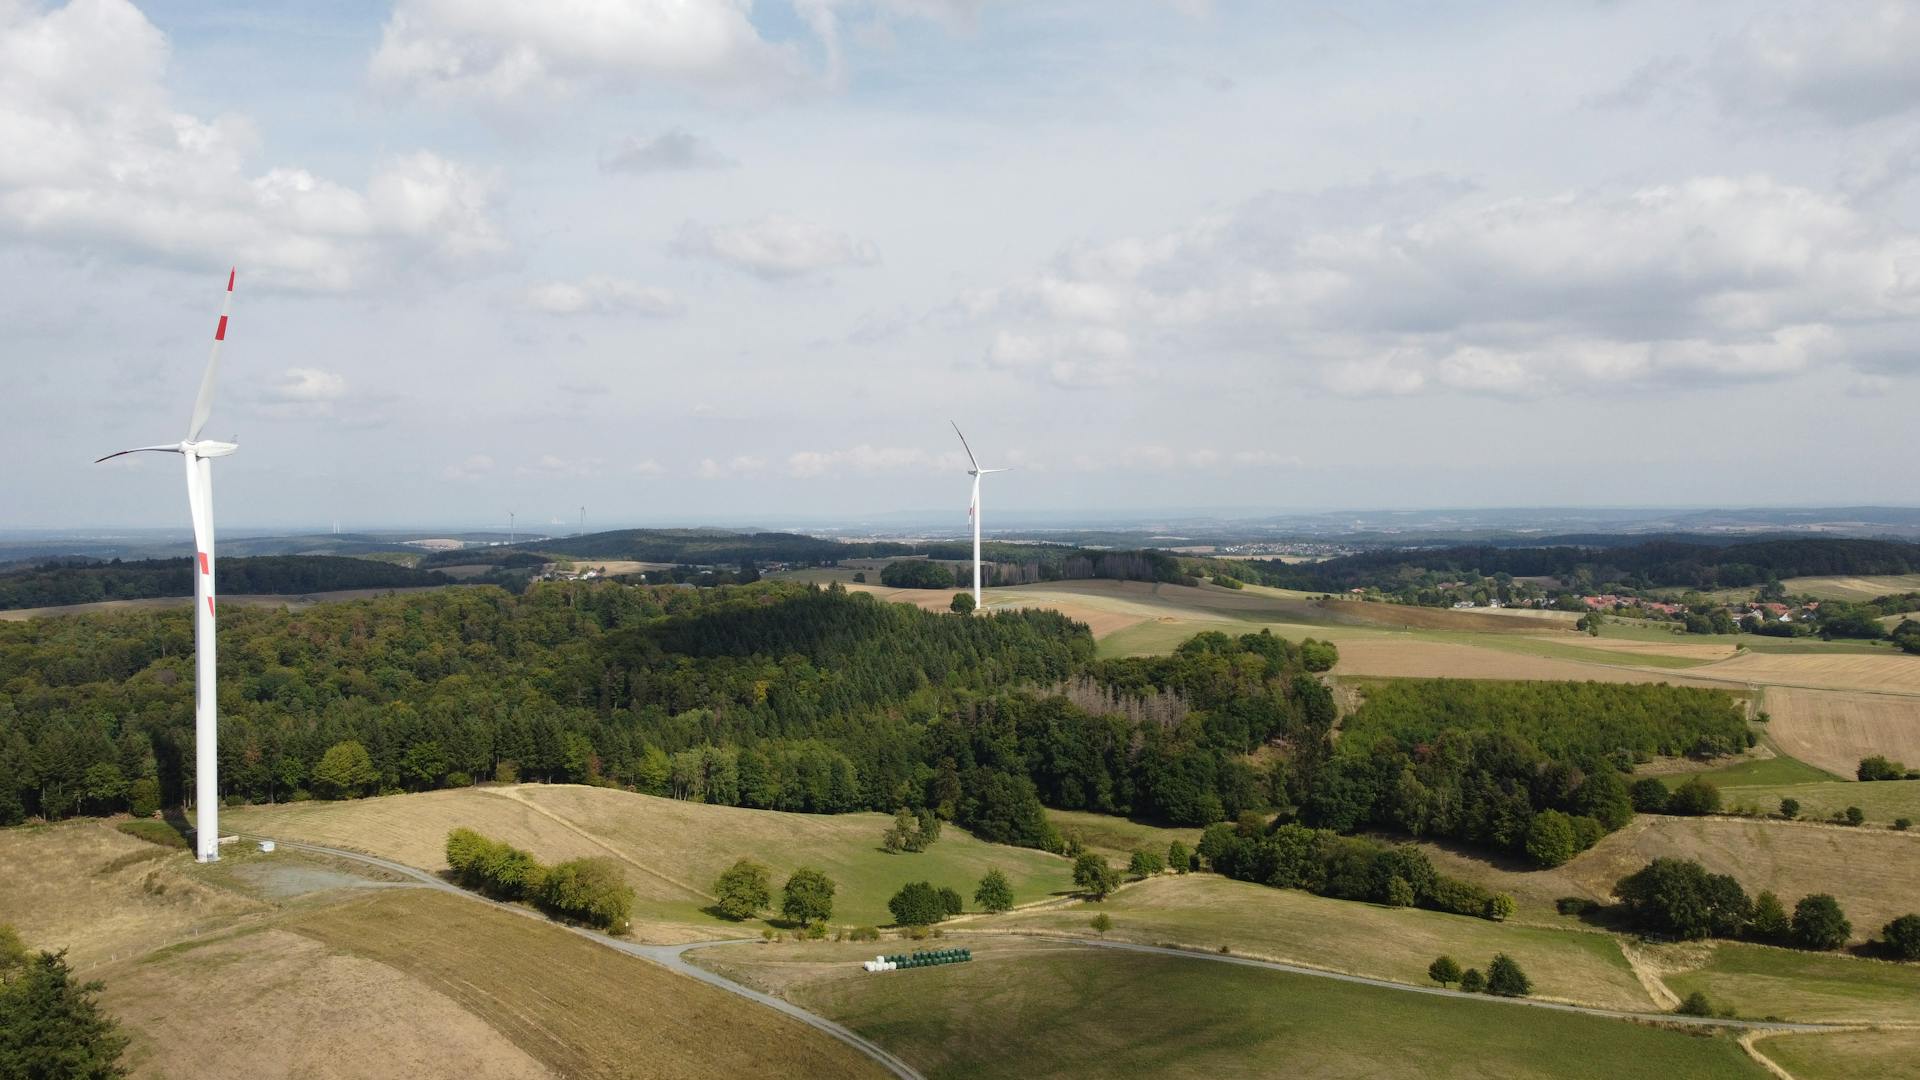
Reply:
x=198 y=454
x=973 y=509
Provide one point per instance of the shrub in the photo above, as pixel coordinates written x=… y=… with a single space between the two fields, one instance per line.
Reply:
x=1144 y=864
x=143 y=797
x=1094 y=875
x=1575 y=905
x=1853 y=815
x=1818 y=923
x=1880 y=768
x=1499 y=908
x=1696 y=1004
x=1102 y=923
x=489 y=866
x=807 y=897
x=1444 y=970
x=1179 y=859
x=154 y=832
x=52 y=1026
x=1697 y=796
x=1505 y=978
x=507 y=772
x=1903 y=823
x=1649 y=796
x=864 y=933
x=345 y=771
x=1472 y=981
x=911 y=831
x=741 y=891
x=1789 y=808
x=995 y=892
x=961 y=604
x=1550 y=838
x=1399 y=892
x=590 y=890
x=1900 y=938
x=917 y=904
x=950 y=901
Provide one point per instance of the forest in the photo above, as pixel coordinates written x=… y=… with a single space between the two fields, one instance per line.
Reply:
x=76 y=581
x=794 y=697
x=1656 y=564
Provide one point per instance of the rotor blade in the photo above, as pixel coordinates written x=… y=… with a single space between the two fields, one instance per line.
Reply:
x=963 y=444
x=203 y=404
x=139 y=450
x=1004 y=468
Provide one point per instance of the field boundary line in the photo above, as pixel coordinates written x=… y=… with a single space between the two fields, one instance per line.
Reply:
x=515 y=796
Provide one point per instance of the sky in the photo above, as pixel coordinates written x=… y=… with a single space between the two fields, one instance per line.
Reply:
x=688 y=261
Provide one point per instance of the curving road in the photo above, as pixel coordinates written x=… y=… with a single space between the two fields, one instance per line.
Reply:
x=673 y=957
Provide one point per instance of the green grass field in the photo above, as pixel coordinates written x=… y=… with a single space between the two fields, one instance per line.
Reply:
x=1034 y=1010
x=1205 y=911
x=1758 y=981
x=1882 y=800
x=1117 y=837
x=672 y=850
x=1777 y=771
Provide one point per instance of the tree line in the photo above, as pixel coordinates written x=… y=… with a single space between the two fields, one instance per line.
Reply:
x=69 y=581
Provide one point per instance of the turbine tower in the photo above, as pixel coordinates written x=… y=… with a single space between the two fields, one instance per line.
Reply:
x=973 y=509
x=198 y=454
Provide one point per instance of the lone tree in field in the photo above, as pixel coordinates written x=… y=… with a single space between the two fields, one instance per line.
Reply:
x=917 y=903
x=1818 y=923
x=741 y=890
x=1095 y=876
x=962 y=604
x=1444 y=970
x=1696 y=1004
x=1144 y=864
x=1769 y=922
x=807 y=896
x=1900 y=938
x=1102 y=923
x=995 y=892
x=1789 y=808
x=1505 y=978
x=345 y=771
x=911 y=831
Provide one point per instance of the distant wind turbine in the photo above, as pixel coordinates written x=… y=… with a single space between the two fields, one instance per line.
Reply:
x=198 y=454
x=973 y=509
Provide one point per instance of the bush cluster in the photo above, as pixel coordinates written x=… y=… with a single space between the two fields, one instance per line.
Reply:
x=1289 y=856
x=1679 y=898
x=591 y=890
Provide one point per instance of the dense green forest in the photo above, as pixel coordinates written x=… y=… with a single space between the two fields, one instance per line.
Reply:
x=793 y=697
x=80 y=581
x=1658 y=564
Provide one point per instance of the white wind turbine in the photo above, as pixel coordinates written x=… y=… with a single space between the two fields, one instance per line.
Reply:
x=198 y=454
x=973 y=509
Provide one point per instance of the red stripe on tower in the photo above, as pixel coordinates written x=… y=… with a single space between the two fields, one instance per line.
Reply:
x=220 y=332
x=230 y=272
x=209 y=605
x=203 y=563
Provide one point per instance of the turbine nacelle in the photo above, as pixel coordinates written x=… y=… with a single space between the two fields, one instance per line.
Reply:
x=208 y=448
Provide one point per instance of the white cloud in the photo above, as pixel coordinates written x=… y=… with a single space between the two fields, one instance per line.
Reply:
x=670 y=151
x=504 y=50
x=1373 y=376
x=776 y=247
x=96 y=153
x=647 y=468
x=605 y=295
x=739 y=465
x=1160 y=458
x=1083 y=357
x=871 y=460
x=475 y=467
x=1847 y=64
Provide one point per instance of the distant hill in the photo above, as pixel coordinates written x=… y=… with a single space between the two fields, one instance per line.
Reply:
x=59 y=583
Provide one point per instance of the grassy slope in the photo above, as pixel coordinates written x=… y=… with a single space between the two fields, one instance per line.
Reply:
x=1758 y=981
x=1885 y=1055
x=1205 y=911
x=671 y=850
x=1034 y=1010
x=1882 y=801
x=580 y=1009
x=1118 y=838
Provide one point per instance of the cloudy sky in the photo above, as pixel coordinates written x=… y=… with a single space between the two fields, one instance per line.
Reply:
x=706 y=260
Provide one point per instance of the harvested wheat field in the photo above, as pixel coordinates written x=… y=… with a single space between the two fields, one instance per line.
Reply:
x=275 y=1003
x=1834 y=729
x=577 y=1008
x=1852 y=588
x=1875 y=874
x=1707 y=651
x=1416 y=659
x=103 y=895
x=1890 y=673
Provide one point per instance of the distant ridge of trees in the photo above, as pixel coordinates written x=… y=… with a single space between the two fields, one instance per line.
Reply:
x=1662 y=563
x=60 y=582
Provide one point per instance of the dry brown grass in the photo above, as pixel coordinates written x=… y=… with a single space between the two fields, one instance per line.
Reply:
x=1852 y=588
x=102 y=895
x=1875 y=874
x=276 y=1003
x=1682 y=649
x=1883 y=1055
x=1890 y=673
x=578 y=1008
x=1835 y=729
x=1414 y=658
